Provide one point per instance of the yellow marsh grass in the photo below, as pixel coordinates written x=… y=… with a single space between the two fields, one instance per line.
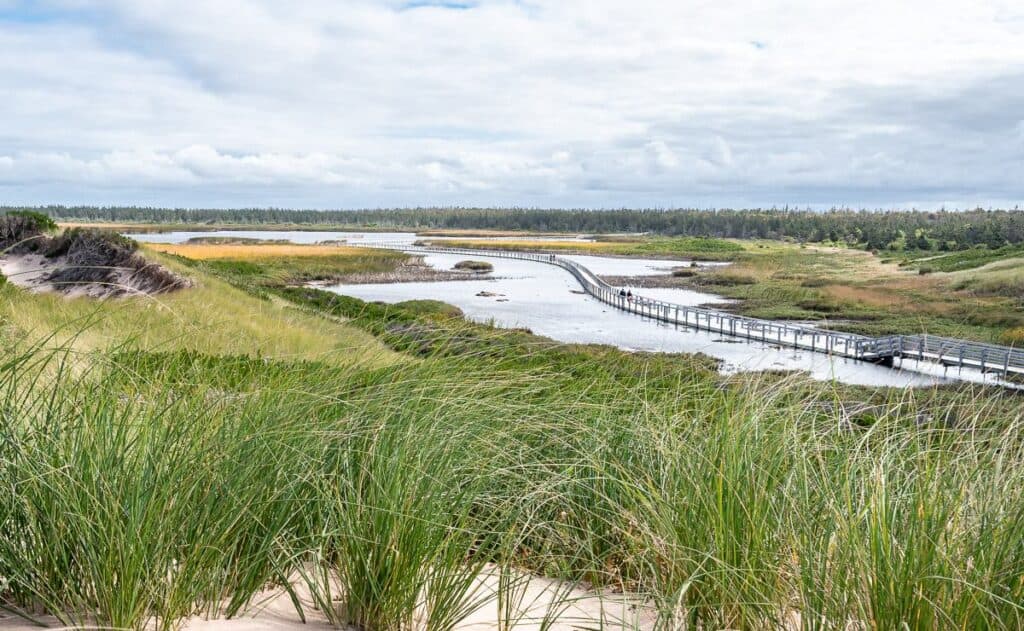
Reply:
x=213 y=317
x=587 y=246
x=249 y=252
x=469 y=233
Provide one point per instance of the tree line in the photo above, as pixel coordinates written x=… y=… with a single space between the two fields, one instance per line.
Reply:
x=876 y=230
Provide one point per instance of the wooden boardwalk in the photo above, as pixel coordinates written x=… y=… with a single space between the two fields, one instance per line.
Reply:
x=886 y=350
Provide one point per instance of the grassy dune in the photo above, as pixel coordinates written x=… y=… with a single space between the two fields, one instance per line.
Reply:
x=213 y=318
x=167 y=481
x=1002 y=278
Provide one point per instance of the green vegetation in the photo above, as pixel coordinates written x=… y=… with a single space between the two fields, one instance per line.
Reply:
x=474 y=266
x=282 y=265
x=872 y=230
x=682 y=247
x=1002 y=278
x=24 y=231
x=855 y=291
x=149 y=480
x=212 y=317
x=959 y=261
x=40 y=221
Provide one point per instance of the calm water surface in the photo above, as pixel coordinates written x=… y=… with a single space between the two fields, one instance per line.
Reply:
x=311 y=237
x=548 y=301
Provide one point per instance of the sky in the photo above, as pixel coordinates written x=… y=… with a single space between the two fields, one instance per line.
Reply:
x=531 y=103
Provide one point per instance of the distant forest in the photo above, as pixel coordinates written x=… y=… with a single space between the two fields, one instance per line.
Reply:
x=891 y=230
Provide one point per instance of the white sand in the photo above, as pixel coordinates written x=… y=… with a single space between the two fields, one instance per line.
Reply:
x=273 y=611
x=29 y=272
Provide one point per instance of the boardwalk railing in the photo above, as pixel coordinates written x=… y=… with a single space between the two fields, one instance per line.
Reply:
x=946 y=351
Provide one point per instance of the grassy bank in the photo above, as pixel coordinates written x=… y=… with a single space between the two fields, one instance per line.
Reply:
x=213 y=317
x=158 y=483
x=284 y=264
x=698 y=248
x=857 y=291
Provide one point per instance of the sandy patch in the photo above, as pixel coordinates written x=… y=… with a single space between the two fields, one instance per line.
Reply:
x=538 y=604
x=31 y=272
x=28 y=271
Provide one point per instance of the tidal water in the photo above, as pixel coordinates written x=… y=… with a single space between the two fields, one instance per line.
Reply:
x=547 y=300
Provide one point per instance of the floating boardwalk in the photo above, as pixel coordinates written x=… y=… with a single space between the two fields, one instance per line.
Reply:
x=945 y=351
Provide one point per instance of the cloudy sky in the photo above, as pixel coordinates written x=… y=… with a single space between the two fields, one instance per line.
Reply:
x=597 y=103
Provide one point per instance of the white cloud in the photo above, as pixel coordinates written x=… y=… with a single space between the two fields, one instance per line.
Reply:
x=569 y=102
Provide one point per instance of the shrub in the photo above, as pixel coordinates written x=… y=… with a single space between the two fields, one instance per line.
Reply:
x=23 y=231
x=430 y=308
x=821 y=305
x=1013 y=337
x=474 y=266
x=43 y=222
x=731 y=279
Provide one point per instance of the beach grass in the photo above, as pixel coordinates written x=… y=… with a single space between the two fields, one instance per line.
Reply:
x=163 y=486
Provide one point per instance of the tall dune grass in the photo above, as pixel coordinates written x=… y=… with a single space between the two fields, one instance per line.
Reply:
x=152 y=487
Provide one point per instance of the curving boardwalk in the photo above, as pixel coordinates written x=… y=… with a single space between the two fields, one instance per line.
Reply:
x=949 y=352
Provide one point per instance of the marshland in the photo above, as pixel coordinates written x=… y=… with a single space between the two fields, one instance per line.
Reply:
x=246 y=445
x=508 y=315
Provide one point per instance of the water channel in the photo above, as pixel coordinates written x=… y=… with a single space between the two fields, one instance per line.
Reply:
x=548 y=301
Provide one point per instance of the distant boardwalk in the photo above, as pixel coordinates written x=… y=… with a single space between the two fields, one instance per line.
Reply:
x=987 y=358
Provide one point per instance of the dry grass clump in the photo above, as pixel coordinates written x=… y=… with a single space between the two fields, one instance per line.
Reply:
x=1013 y=337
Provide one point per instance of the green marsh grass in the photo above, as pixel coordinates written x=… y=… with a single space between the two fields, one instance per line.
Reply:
x=143 y=487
